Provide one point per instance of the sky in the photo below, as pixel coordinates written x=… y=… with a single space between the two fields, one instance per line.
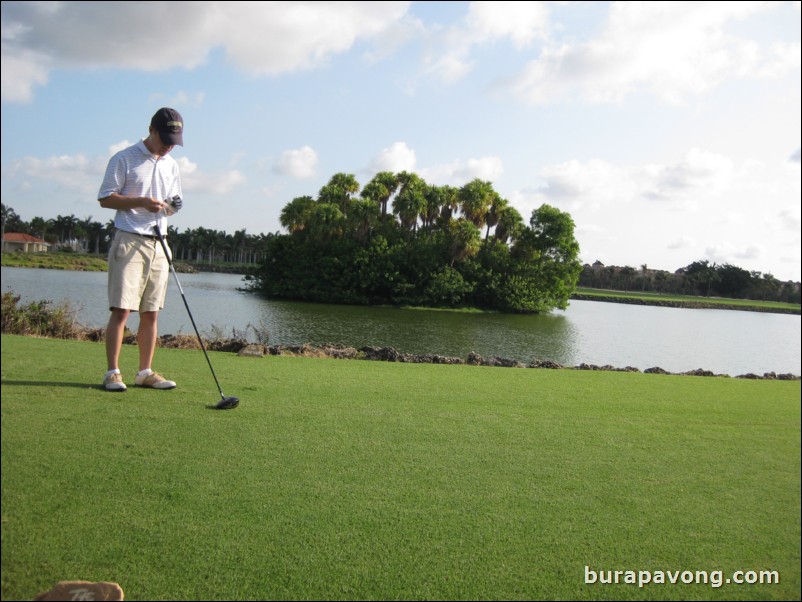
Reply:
x=669 y=131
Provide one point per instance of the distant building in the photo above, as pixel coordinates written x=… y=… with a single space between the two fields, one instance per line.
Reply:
x=598 y=265
x=16 y=241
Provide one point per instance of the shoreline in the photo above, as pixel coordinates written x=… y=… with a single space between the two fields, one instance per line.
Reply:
x=390 y=354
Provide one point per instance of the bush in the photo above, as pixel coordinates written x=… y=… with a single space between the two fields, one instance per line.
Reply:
x=38 y=318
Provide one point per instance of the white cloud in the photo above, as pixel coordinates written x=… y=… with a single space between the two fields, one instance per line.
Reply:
x=790 y=219
x=461 y=172
x=729 y=253
x=266 y=38
x=298 y=163
x=277 y=37
x=199 y=182
x=486 y=22
x=522 y=22
x=74 y=173
x=673 y=49
x=19 y=73
x=698 y=171
x=683 y=242
x=396 y=158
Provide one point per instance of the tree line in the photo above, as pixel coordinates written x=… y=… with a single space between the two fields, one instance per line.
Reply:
x=401 y=241
x=701 y=278
x=199 y=245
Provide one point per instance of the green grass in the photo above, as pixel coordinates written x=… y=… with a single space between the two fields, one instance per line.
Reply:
x=91 y=262
x=657 y=298
x=368 y=480
x=56 y=261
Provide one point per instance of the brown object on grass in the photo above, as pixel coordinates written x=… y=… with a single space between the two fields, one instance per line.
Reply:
x=83 y=590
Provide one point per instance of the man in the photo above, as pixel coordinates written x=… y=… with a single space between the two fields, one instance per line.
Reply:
x=139 y=184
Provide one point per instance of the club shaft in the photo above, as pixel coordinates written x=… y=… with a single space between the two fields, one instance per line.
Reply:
x=189 y=312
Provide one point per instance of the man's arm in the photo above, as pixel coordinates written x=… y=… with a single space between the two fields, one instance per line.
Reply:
x=120 y=202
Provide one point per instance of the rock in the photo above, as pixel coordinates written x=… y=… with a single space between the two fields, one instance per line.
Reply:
x=382 y=354
x=550 y=364
x=698 y=372
x=340 y=352
x=83 y=590
x=252 y=351
x=474 y=359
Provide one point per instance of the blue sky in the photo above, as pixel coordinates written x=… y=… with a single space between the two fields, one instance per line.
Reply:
x=669 y=131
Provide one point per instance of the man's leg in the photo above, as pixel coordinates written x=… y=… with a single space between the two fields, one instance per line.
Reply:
x=114 y=336
x=146 y=338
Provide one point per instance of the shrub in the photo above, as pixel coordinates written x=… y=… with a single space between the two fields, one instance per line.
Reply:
x=38 y=318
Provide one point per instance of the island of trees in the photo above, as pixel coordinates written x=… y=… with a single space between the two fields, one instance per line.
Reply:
x=401 y=241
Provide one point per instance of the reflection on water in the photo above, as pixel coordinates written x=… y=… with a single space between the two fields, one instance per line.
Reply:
x=729 y=342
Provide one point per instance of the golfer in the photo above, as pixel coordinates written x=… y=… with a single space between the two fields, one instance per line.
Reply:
x=139 y=183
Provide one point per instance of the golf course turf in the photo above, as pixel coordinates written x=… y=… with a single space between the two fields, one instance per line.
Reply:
x=338 y=479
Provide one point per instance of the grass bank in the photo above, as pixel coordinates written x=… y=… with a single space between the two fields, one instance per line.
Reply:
x=646 y=298
x=90 y=262
x=367 y=480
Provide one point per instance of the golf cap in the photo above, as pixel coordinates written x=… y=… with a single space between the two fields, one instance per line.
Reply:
x=170 y=125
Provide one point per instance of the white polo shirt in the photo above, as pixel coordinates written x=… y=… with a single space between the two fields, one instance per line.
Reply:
x=134 y=171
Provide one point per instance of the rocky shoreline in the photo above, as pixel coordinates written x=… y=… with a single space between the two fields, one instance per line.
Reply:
x=390 y=354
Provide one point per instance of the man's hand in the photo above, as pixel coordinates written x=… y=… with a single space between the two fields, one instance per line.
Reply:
x=172 y=205
x=153 y=205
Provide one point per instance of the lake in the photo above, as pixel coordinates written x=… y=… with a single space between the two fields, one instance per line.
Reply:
x=677 y=340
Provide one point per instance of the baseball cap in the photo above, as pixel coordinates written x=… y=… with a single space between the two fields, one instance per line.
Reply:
x=170 y=125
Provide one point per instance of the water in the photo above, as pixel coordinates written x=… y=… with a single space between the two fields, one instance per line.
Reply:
x=677 y=340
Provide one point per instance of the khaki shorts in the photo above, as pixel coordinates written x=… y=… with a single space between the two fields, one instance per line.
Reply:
x=138 y=273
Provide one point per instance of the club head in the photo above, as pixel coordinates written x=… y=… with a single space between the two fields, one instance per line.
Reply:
x=227 y=403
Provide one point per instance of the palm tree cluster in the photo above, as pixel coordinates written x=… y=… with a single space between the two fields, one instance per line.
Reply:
x=401 y=241
x=200 y=245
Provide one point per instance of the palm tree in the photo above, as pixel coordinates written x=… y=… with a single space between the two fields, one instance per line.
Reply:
x=295 y=215
x=465 y=240
x=363 y=217
x=475 y=199
x=497 y=208
x=510 y=225
x=435 y=199
x=64 y=226
x=239 y=241
x=383 y=185
x=339 y=191
x=94 y=231
x=627 y=272
x=450 y=203
x=39 y=227
x=326 y=222
x=9 y=216
x=410 y=201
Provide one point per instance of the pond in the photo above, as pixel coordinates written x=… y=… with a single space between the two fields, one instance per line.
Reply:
x=677 y=340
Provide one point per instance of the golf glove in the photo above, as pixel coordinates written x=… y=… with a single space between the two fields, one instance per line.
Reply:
x=176 y=203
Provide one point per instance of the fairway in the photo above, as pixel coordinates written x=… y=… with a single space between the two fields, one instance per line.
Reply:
x=348 y=479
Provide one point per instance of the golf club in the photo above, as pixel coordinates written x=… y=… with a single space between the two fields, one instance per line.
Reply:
x=225 y=403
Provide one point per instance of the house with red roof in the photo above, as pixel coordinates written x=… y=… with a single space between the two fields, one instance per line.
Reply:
x=27 y=243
